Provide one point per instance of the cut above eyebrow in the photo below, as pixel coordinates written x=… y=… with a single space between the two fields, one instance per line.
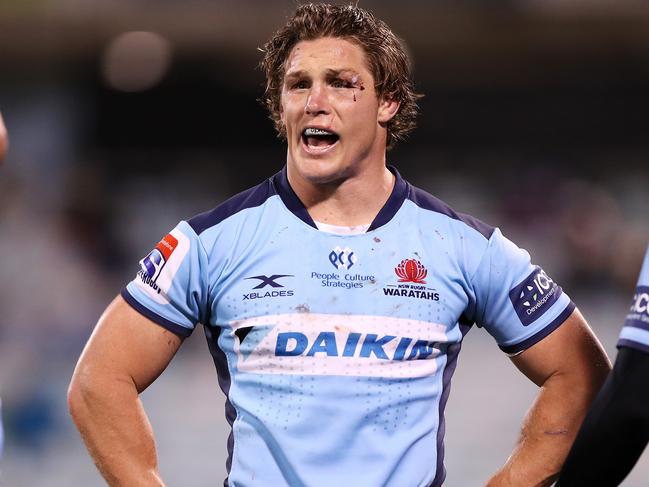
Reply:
x=338 y=72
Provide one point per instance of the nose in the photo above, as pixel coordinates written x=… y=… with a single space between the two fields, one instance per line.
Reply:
x=316 y=102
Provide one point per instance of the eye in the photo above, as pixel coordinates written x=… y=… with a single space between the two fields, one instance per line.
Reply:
x=299 y=85
x=341 y=83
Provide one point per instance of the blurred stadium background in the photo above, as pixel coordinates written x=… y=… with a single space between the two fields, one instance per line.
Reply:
x=126 y=116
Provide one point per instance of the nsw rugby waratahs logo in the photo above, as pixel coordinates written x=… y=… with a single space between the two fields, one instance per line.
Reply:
x=411 y=270
x=414 y=272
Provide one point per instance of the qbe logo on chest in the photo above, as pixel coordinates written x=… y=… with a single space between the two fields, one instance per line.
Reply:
x=534 y=296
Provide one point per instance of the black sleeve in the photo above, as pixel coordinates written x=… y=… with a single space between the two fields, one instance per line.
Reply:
x=616 y=429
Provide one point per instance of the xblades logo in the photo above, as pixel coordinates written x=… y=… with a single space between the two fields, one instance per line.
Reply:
x=268 y=281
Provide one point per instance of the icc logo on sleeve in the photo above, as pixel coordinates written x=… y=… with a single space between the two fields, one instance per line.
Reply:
x=639 y=313
x=534 y=296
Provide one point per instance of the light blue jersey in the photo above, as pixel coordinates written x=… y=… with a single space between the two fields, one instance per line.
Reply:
x=336 y=352
x=635 y=332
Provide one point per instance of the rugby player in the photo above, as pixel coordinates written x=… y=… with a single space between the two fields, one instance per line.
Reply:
x=4 y=144
x=335 y=296
x=616 y=429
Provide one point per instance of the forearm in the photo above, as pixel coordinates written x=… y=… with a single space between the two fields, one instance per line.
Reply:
x=547 y=434
x=115 y=429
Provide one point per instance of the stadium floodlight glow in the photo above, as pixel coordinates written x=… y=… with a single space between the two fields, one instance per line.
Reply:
x=136 y=61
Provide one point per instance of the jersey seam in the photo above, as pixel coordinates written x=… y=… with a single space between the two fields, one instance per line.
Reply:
x=484 y=254
x=207 y=281
x=457 y=220
x=241 y=209
x=475 y=271
x=228 y=398
x=410 y=198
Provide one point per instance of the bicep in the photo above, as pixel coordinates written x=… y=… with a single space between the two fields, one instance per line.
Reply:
x=128 y=346
x=570 y=350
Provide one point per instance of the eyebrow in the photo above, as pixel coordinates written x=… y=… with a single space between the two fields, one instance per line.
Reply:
x=328 y=73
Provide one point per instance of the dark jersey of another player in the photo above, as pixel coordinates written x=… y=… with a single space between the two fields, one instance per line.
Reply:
x=616 y=429
x=336 y=351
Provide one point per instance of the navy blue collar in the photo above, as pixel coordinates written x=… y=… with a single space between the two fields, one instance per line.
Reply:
x=293 y=203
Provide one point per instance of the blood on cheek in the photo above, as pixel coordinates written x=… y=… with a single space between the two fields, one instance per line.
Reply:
x=357 y=84
x=361 y=88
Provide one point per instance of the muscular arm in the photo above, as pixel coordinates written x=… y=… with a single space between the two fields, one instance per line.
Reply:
x=125 y=354
x=616 y=430
x=569 y=366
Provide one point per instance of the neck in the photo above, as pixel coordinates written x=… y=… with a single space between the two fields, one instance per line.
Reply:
x=349 y=201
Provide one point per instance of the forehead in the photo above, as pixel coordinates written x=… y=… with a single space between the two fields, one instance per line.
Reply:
x=327 y=53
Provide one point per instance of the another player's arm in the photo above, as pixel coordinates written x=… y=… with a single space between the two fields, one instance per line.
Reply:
x=616 y=429
x=4 y=140
x=569 y=366
x=125 y=354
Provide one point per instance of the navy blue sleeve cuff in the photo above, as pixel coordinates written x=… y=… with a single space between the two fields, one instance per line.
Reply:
x=540 y=335
x=175 y=328
x=623 y=342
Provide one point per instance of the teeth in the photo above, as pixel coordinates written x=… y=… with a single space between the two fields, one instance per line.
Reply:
x=311 y=131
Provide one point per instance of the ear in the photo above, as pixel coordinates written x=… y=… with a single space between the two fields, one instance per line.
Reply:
x=387 y=110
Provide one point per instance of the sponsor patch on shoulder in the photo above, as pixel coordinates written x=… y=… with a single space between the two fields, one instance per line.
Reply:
x=153 y=263
x=158 y=268
x=534 y=296
x=638 y=316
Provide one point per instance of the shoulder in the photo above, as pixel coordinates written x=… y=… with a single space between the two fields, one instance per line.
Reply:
x=250 y=198
x=427 y=202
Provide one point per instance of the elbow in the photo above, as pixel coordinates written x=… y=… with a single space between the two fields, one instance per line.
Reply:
x=81 y=391
x=92 y=389
x=75 y=397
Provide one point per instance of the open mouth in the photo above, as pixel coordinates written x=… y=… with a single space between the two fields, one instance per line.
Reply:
x=319 y=140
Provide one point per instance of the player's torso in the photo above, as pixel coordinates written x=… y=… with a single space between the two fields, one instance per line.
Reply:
x=393 y=295
x=336 y=346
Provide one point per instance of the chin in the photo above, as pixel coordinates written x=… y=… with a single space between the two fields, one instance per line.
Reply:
x=321 y=170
